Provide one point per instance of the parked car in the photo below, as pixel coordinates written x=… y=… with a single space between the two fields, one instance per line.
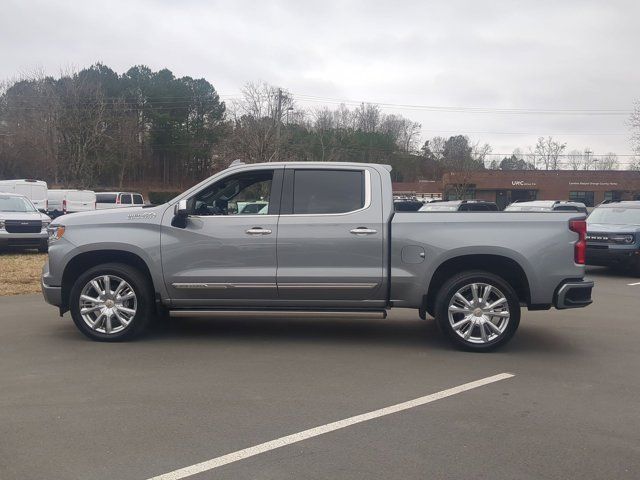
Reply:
x=34 y=190
x=66 y=201
x=118 y=200
x=21 y=224
x=613 y=235
x=407 y=205
x=460 y=206
x=547 y=206
x=329 y=246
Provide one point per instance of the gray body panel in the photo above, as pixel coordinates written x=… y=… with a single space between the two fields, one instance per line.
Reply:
x=541 y=243
x=314 y=261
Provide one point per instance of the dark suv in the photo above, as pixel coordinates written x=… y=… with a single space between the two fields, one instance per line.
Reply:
x=613 y=235
x=460 y=206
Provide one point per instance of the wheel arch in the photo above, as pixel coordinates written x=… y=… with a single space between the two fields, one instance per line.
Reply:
x=506 y=268
x=85 y=260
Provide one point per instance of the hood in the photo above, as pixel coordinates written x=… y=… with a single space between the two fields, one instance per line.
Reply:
x=112 y=215
x=612 y=228
x=24 y=216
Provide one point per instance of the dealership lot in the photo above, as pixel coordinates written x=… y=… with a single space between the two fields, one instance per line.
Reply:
x=199 y=389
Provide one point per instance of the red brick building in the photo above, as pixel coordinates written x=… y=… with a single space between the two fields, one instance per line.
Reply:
x=504 y=187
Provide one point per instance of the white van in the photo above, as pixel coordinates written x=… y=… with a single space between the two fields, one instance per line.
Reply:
x=34 y=190
x=65 y=201
x=118 y=200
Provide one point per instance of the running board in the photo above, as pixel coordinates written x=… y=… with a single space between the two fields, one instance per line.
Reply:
x=279 y=313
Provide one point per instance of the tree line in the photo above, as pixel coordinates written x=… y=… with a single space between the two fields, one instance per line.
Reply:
x=97 y=128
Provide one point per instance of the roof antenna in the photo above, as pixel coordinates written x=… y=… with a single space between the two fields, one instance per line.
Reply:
x=237 y=162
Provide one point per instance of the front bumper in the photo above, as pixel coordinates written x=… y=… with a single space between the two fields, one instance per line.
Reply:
x=573 y=294
x=605 y=256
x=23 y=240
x=52 y=295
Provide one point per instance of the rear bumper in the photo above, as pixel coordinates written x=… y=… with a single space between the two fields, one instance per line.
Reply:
x=573 y=294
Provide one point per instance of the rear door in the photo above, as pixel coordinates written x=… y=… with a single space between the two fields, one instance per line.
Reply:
x=330 y=237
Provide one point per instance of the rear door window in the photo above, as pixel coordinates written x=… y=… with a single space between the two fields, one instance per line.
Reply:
x=125 y=199
x=106 y=197
x=328 y=191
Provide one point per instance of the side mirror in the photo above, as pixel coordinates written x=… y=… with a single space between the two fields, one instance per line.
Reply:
x=180 y=214
x=180 y=210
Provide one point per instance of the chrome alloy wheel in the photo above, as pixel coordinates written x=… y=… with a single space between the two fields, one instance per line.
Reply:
x=108 y=304
x=479 y=313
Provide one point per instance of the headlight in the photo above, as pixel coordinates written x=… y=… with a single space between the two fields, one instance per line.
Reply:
x=55 y=232
x=1 y=224
x=45 y=225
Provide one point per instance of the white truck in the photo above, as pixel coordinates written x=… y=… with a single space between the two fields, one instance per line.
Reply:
x=34 y=190
x=63 y=201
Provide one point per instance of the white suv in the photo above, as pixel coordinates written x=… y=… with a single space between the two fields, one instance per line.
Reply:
x=118 y=200
x=21 y=224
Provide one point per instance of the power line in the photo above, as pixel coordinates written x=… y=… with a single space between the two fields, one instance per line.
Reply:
x=461 y=109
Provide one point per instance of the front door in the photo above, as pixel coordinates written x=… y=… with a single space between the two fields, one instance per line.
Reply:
x=225 y=252
x=330 y=238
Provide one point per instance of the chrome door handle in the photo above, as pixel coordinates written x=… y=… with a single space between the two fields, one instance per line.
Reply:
x=363 y=231
x=258 y=231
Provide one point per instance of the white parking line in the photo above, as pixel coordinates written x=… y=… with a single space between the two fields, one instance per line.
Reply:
x=632 y=284
x=329 y=427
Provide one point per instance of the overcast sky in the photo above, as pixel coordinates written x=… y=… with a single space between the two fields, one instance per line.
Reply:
x=535 y=55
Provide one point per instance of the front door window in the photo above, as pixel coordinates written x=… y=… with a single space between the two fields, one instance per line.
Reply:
x=247 y=193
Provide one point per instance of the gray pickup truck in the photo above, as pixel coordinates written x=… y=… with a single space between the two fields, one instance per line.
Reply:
x=323 y=240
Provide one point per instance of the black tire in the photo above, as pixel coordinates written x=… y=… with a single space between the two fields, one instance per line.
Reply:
x=142 y=288
x=459 y=281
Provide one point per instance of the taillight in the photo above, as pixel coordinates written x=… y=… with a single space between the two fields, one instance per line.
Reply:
x=64 y=206
x=118 y=200
x=580 y=247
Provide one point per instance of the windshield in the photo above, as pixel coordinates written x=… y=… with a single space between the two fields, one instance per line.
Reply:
x=615 y=216
x=15 y=204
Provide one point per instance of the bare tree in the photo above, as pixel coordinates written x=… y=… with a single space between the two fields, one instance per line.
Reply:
x=258 y=117
x=405 y=132
x=547 y=153
x=574 y=159
x=634 y=124
x=608 y=162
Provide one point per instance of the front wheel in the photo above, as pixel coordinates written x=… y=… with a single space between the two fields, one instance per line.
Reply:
x=477 y=310
x=111 y=302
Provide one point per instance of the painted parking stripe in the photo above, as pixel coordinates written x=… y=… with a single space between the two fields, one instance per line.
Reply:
x=632 y=284
x=329 y=427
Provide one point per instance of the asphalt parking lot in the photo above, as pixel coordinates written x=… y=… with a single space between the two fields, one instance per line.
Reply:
x=200 y=389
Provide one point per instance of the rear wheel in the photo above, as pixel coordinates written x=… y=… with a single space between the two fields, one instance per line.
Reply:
x=477 y=310
x=111 y=302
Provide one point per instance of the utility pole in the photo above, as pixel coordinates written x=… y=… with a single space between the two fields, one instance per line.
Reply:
x=278 y=118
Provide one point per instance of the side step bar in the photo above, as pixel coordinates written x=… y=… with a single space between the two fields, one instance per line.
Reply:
x=280 y=313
